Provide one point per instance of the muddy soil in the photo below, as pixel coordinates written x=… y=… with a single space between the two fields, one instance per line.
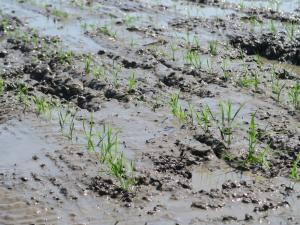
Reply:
x=71 y=71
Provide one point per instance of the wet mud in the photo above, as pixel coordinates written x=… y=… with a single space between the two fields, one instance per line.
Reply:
x=149 y=71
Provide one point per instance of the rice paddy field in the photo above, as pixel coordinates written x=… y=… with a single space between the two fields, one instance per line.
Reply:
x=162 y=112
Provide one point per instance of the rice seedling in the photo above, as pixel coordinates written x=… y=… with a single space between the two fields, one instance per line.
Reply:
x=193 y=58
x=5 y=24
x=60 y=15
x=174 y=49
x=253 y=21
x=129 y=20
x=272 y=28
x=72 y=125
x=225 y=69
x=213 y=47
x=245 y=81
x=2 y=85
x=196 y=42
x=290 y=29
x=227 y=120
x=203 y=119
x=252 y=157
x=191 y=113
x=259 y=62
x=22 y=94
x=122 y=170
x=277 y=87
x=99 y=71
x=116 y=76
x=88 y=64
x=42 y=106
x=89 y=133
x=294 y=95
x=108 y=142
x=107 y=31
x=209 y=66
x=241 y=5
x=132 y=82
x=118 y=166
x=252 y=138
x=176 y=109
x=64 y=116
x=294 y=170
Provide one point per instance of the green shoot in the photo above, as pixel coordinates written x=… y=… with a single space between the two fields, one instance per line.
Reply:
x=193 y=58
x=226 y=122
x=213 y=47
x=87 y=64
x=132 y=82
x=294 y=95
x=176 y=109
x=203 y=119
x=294 y=170
x=290 y=29
x=89 y=133
x=2 y=85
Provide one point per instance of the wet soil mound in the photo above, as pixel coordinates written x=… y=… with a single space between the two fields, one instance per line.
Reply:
x=267 y=45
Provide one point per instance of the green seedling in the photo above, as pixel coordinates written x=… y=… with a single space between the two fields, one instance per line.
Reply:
x=88 y=64
x=43 y=107
x=227 y=120
x=241 y=5
x=225 y=69
x=129 y=20
x=60 y=15
x=106 y=31
x=213 y=47
x=72 y=125
x=176 y=109
x=277 y=87
x=64 y=116
x=2 y=85
x=273 y=28
x=254 y=158
x=191 y=113
x=209 y=66
x=89 y=133
x=108 y=142
x=294 y=95
x=203 y=119
x=294 y=170
x=99 y=72
x=132 y=82
x=259 y=62
x=174 y=49
x=253 y=21
x=116 y=75
x=290 y=29
x=22 y=94
x=193 y=58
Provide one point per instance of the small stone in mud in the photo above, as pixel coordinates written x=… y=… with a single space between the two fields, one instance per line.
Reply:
x=24 y=179
x=229 y=218
x=3 y=53
x=199 y=205
x=248 y=217
x=35 y=157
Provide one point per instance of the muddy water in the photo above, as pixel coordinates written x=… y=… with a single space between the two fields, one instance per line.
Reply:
x=45 y=177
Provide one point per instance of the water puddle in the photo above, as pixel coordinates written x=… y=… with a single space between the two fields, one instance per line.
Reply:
x=14 y=210
x=70 y=32
x=20 y=141
x=206 y=179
